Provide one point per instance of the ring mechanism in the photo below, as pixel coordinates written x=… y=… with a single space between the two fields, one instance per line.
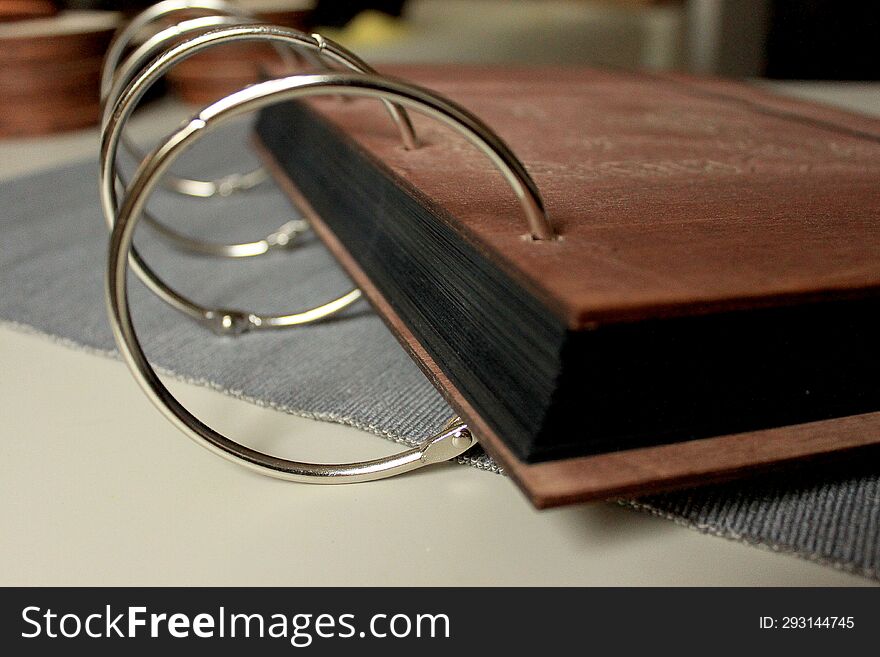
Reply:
x=219 y=12
x=450 y=442
x=137 y=74
x=218 y=319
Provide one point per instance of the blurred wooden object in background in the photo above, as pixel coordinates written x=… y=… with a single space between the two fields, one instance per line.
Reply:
x=49 y=70
x=16 y=10
x=213 y=74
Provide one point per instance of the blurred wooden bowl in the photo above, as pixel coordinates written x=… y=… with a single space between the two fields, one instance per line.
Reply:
x=50 y=71
x=29 y=120
x=16 y=10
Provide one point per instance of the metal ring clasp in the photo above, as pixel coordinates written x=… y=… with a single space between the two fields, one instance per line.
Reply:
x=127 y=89
x=220 y=12
x=452 y=115
x=442 y=446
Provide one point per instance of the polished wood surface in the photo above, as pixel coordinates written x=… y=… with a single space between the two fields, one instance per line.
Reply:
x=673 y=195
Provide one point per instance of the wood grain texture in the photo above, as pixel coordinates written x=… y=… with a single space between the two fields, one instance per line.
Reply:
x=674 y=196
x=69 y=35
x=30 y=120
x=39 y=79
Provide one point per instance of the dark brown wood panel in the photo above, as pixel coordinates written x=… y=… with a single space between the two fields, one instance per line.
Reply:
x=673 y=195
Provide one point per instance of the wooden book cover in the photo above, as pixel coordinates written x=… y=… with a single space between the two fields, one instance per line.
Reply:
x=711 y=307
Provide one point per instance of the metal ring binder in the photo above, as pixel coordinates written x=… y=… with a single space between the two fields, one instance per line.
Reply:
x=126 y=78
x=218 y=319
x=233 y=14
x=123 y=38
x=235 y=321
x=449 y=443
x=222 y=13
x=123 y=75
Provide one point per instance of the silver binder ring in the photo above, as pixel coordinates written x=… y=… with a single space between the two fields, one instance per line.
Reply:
x=220 y=13
x=126 y=35
x=218 y=319
x=122 y=74
x=127 y=91
x=228 y=321
x=448 y=443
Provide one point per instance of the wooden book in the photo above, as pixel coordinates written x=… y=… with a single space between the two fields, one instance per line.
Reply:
x=712 y=306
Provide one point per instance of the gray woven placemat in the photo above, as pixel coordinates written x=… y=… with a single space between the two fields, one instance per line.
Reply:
x=352 y=371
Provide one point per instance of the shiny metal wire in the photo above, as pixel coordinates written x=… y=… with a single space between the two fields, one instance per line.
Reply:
x=230 y=321
x=123 y=39
x=450 y=442
x=228 y=14
x=221 y=320
x=135 y=73
x=232 y=14
x=124 y=72
x=284 y=236
x=126 y=35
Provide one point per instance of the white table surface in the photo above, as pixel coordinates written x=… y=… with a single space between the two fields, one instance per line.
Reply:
x=97 y=488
